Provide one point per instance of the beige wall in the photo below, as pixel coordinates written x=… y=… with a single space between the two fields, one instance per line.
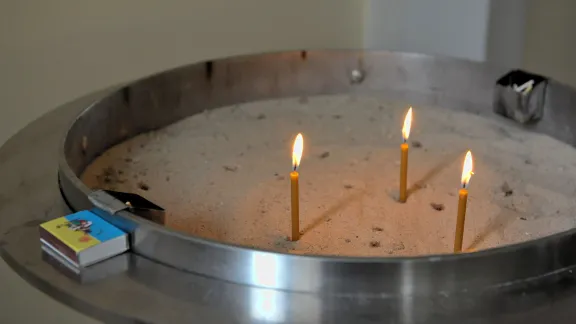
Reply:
x=550 y=46
x=53 y=51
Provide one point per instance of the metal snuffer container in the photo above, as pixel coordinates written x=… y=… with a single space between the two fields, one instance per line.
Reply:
x=521 y=96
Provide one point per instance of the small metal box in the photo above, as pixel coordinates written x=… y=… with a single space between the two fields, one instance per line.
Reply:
x=521 y=96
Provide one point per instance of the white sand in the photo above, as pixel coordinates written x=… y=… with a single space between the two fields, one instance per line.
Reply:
x=224 y=175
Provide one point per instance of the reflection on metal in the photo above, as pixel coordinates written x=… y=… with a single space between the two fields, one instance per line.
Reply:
x=356 y=76
x=268 y=306
x=187 y=277
x=406 y=295
x=266 y=269
x=267 y=272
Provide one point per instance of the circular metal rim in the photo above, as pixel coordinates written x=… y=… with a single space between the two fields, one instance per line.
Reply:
x=422 y=274
x=123 y=297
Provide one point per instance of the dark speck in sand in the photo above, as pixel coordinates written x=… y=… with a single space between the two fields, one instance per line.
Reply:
x=374 y=244
x=143 y=186
x=108 y=171
x=372 y=119
x=109 y=175
x=522 y=218
x=398 y=246
x=377 y=229
x=167 y=178
x=527 y=161
x=336 y=116
x=348 y=186
x=438 y=207
x=230 y=168
x=416 y=144
x=347 y=240
x=325 y=155
x=128 y=160
x=261 y=116
x=505 y=187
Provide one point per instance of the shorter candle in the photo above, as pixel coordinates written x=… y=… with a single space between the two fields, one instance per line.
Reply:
x=294 y=186
x=467 y=172
x=404 y=156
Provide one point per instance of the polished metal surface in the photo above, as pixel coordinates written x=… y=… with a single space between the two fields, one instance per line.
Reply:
x=174 y=278
x=161 y=99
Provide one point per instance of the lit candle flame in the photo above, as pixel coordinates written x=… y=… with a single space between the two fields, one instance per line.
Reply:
x=297 y=151
x=407 y=124
x=467 y=170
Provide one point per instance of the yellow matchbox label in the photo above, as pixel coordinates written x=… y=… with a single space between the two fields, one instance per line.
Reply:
x=72 y=233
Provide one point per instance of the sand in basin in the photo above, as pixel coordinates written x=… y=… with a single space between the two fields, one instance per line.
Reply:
x=224 y=175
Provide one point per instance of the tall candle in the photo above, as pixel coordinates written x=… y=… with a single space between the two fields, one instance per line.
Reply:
x=294 y=186
x=295 y=197
x=404 y=156
x=467 y=171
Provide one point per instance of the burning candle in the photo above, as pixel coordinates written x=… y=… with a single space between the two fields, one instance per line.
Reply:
x=294 y=187
x=467 y=172
x=404 y=156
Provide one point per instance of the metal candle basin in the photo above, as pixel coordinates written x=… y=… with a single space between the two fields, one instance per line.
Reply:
x=517 y=283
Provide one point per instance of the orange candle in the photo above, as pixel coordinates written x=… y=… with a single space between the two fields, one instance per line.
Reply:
x=294 y=186
x=404 y=156
x=295 y=205
x=467 y=172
